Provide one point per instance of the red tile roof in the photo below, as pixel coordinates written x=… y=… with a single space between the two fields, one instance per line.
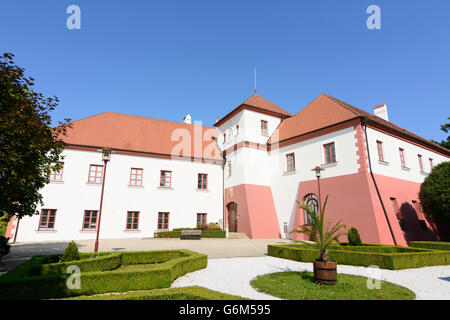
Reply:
x=256 y=103
x=142 y=134
x=326 y=111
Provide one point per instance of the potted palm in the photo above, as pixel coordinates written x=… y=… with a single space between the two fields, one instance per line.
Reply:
x=323 y=235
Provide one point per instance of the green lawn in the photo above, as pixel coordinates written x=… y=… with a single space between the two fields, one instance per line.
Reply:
x=301 y=286
x=184 y=293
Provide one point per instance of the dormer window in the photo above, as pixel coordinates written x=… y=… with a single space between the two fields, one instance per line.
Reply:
x=264 y=131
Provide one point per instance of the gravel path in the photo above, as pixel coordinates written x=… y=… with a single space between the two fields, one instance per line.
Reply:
x=233 y=275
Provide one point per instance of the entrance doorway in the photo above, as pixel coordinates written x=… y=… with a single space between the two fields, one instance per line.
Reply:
x=232 y=217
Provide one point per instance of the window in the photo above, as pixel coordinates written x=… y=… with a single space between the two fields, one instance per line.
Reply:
x=380 y=150
x=163 y=220
x=264 y=131
x=311 y=201
x=290 y=162
x=166 y=179
x=229 y=168
x=47 y=219
x=201 y=219
x=56 y=175
x=420 y=162
x=202 y=182
x=95 y=173
x=237 y=129
x=132 y=220
x=330 y=153
x=402 y=157
x=136 y=177
x=90 y=220
x=431 y=164
x=224 y=137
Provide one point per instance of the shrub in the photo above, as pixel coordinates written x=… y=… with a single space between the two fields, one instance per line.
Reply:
x=203 y=226
x=385 y=257
x=214 y=226
x=353 y=237
x=177 y=233
x=436 y=245
x=435 y=194
x=71 y=253
x=20 y=284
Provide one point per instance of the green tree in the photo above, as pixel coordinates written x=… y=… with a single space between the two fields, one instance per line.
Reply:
x=434 y=194
x=445 y=143
x=29 y=147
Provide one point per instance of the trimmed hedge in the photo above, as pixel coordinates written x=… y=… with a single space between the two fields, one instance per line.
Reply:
x=183 y=293
x=42 y=278
x=383 y=256
x=176 y=233
x=436 y=245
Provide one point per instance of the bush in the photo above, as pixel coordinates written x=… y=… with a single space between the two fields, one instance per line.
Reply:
x=353 y=237
x=71 y=253
x=385 y=257
x=435 y=245
x=203 y=226
x=42 y=278
x=214 y=226
x=434 y=194
x=177 y=233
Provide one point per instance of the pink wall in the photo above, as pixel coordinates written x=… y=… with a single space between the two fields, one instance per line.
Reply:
x=10 y=228
x=257 y=216
x=353 y=199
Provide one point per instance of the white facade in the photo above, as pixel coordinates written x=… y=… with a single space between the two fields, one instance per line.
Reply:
x=71 y=197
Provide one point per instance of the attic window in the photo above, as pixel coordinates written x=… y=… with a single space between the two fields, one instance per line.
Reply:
x=264 y=131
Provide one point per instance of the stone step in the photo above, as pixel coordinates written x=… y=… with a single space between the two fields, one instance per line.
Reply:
x=237 y=235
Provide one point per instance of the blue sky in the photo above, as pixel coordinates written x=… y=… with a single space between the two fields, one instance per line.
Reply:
x=164 y=59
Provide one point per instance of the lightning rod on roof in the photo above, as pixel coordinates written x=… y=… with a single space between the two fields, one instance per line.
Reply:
x=255 y=80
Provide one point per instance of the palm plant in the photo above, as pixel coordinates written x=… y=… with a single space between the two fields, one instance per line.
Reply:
x=323 y=235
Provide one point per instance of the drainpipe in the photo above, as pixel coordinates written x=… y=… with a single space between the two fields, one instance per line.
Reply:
x=364 y=124
x=16 y=229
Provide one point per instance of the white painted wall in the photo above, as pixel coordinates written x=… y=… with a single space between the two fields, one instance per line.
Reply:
x=392 y=165
x=74 y=195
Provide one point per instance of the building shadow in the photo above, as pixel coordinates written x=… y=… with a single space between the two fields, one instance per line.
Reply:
x=415 y=227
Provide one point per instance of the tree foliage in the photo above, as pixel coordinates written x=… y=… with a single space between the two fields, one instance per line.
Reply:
x=445 y=143
x=29 y=147
x=353 y=237
x=434 y=194
x=319 y=232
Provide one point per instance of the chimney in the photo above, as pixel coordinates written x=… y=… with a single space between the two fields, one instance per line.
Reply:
x=381 y=111
x=187 y=119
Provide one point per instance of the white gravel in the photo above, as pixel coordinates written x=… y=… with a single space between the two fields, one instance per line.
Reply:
x=233 y=276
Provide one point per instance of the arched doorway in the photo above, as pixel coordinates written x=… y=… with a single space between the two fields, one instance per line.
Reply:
x=311 y=201
x=232 y=217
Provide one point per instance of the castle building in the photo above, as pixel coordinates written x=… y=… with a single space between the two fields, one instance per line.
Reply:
x=247 y=174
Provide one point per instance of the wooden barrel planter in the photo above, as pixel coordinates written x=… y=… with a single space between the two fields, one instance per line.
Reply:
x=325 y=272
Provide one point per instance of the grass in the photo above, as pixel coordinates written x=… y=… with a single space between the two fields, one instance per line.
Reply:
x=184 y=293
x=301 y=286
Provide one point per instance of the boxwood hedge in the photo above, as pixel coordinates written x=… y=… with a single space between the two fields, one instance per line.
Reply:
x=176 y=233
x=43 y=277
x=383 y=256
x=431 y=245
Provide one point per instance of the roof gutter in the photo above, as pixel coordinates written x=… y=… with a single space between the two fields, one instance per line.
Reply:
x=364 y=125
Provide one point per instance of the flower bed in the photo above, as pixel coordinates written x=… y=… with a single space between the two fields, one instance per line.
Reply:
x=383 y=256
x=42 y=277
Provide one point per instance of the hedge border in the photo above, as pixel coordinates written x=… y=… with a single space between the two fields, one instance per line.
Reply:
x=407 y=258
x=25 y=283
x=177 y=234
x=435 y=245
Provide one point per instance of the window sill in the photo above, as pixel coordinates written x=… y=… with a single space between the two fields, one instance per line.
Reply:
x=126 y=230
x=383 y=162
x=165 y=188
x=45 y=230
x=202 y=190
x=405 y=168
x=329 y=165
x=159 y=230
x=93 y=183
x=135 y=187
x=86 y=230
x=286 y=173
x=57 y=182
x=424 y=173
